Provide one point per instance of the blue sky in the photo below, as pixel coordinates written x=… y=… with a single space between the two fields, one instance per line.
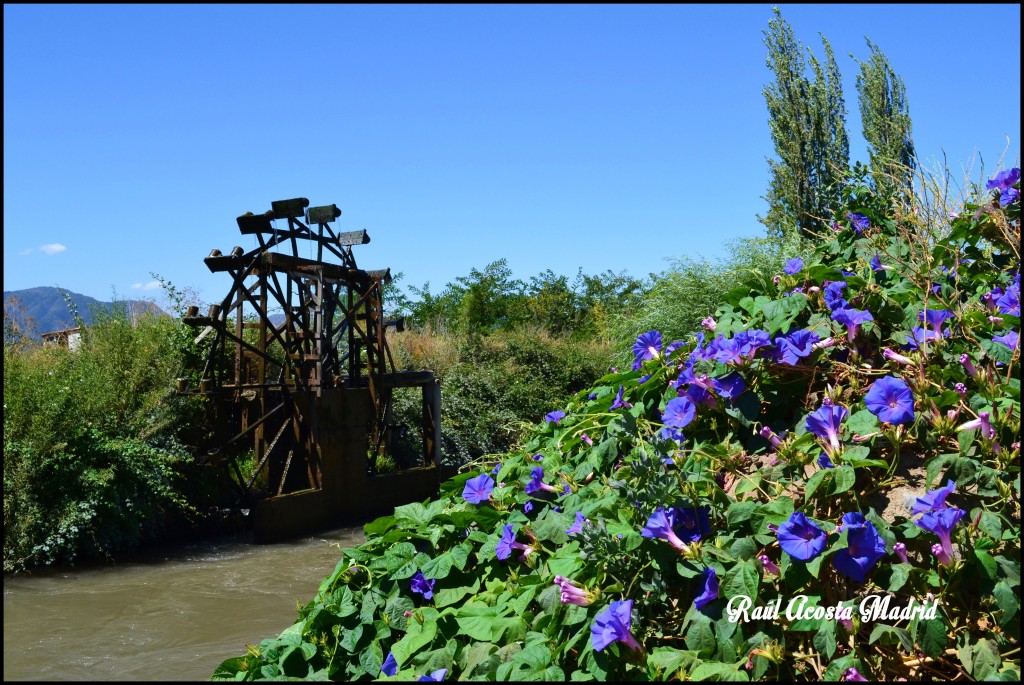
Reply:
x=557 y=137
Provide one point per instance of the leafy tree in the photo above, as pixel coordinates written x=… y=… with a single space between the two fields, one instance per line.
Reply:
x=885 y=116
x=807 y=120
x=488 y=298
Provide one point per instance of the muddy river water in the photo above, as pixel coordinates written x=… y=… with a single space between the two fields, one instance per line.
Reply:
x=171 y=615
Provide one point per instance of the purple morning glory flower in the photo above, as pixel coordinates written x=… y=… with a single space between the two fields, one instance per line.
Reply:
x=853 y=675
x=647 y=346
x=578 y=526
x=1010 y=339
x=801 y=538
x=890 y=400
x=794 y=266
x=679 y=412
x=983 y=422
x=691 y=523
x=670 y=433
x=508 y=542
x=555 y=416
x=825 y=423
x=934 y=318
x=478 y=490
x=876 y=263
x=920 y=336
x=620 y=403
x=699 y=394
x=422 y=585
x=537 y=482
x=934 y=499
x=824 y=462
x=722 y=350
x=709 y=591
x=941 y=522
x=435 y=677
x=858 y=222
x=1004 y=182
x=789 y=349
x=730 y=386
x=612 y=625
x=686 y=375
x=527 y=507
x=390 y=666
x=1007 y=178
x=864 y=548
x=1009 y=301
x=748 y=342
x=991 y=297
x=504 y=547
x=852 y=319
x=833 y=294
x=660 y=526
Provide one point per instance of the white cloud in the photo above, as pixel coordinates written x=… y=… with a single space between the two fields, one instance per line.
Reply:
x=136 y=286
x=52 y=248
x=152 y=285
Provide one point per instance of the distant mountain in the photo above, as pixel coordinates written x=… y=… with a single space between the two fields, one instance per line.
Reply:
x=44 y=309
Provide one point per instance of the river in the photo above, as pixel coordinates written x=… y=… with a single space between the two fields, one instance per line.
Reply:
x=168 y=615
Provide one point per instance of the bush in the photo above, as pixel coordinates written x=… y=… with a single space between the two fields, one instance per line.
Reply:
x=493 y=387
x=879 y=462
x=93 y=441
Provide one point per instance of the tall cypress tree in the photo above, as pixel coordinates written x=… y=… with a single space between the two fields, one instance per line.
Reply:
x=807 y=120
x=885 y=116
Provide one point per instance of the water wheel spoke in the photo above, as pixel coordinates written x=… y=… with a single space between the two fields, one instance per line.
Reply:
x=266 y=456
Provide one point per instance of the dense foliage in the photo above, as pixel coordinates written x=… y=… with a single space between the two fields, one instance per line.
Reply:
x=491 y=300
x=847 y=434
x=494 y=387
x=93 y=440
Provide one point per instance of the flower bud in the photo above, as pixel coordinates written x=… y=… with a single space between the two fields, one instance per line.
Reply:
x=939 y=553
x=968 y=365
x=769 y=565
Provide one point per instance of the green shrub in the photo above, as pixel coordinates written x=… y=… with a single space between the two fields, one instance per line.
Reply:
x=493 y=387
x=93 y=441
